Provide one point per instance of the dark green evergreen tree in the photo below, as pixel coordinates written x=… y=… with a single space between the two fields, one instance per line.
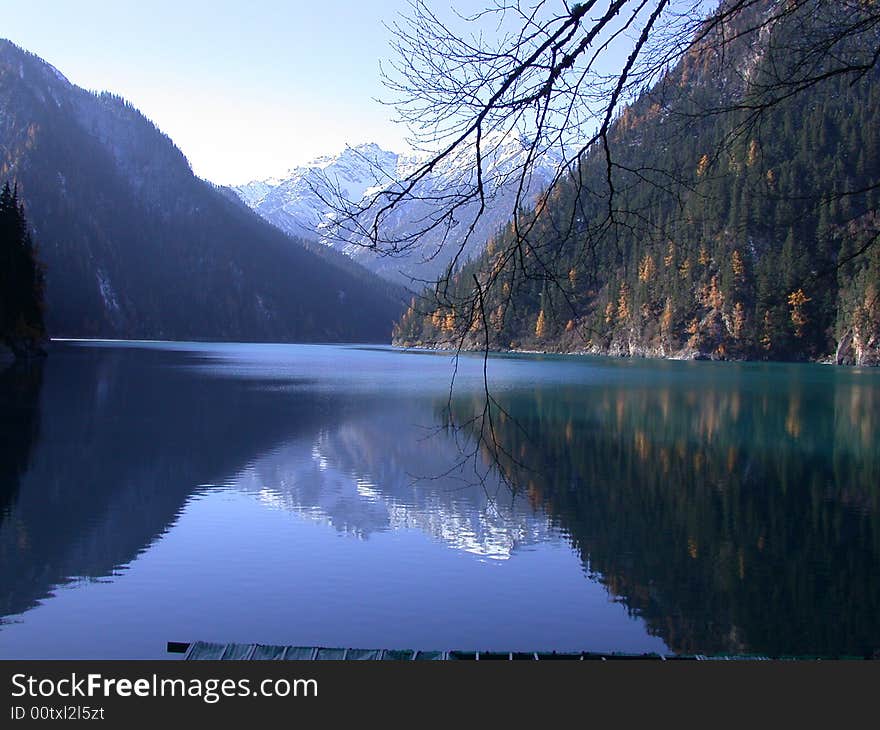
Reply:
x=22 y=327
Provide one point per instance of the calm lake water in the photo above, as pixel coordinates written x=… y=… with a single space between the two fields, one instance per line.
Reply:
x=337 y=496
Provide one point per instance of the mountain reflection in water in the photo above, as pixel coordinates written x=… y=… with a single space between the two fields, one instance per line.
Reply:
x=698 y=507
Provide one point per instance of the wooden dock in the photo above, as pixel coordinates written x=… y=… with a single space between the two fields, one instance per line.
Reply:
x=210 y=651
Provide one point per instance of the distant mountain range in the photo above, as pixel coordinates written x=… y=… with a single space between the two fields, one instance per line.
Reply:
x=303 y=203
x=136 y=246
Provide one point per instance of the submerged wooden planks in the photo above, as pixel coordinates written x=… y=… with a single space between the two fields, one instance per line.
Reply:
x=208 y=651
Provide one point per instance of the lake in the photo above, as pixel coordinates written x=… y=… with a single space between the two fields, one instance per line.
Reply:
x=347 y=496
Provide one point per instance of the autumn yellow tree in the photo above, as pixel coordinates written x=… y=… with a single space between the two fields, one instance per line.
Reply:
x=496 y=319
x=669 y=258
x=796 y=300
x=647 y=268
x=540 y=325
x=693 y=329
x=609 y=313
x=702 y=165
x=754 y=150
x=738 y=266
x=715 y=298
x=623 y=303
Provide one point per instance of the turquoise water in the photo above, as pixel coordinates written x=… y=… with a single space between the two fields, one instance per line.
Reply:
x=344 y=496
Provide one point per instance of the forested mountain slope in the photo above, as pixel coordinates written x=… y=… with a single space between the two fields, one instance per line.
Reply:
x=136 y=246
x=723 y=230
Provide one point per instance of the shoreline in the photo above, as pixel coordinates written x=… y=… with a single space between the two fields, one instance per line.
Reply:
x=6 y=355
x=679 y=357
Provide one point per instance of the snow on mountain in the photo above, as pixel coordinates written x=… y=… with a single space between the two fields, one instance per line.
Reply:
x=255 y=191
x=303 y=202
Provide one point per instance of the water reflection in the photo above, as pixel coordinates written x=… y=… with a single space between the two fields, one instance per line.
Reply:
x=382 y=470
x=729 y=508
x=742 y=516
x=19 y=425
x=124 y=439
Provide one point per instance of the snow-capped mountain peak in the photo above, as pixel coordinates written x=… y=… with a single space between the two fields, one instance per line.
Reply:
x=300 y=201
x=303 y=203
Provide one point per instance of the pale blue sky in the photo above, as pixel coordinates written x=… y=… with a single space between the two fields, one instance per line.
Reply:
x=246 y=88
